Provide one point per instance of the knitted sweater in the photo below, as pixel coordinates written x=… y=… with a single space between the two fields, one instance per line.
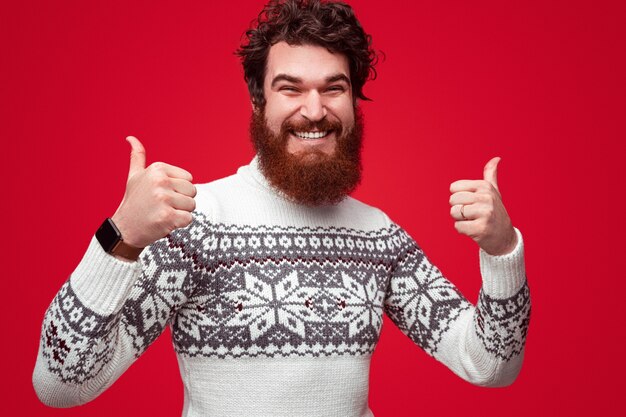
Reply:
x=275 y=308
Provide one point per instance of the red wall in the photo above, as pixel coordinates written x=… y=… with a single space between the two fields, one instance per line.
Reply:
x=540 y=84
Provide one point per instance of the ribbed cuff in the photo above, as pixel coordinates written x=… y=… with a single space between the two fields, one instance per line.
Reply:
x=101 y=281
x=503 y=275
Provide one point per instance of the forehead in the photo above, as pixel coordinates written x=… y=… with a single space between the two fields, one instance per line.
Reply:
x=308 y=62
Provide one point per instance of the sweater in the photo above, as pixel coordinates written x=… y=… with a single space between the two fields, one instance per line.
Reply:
x=276 y=308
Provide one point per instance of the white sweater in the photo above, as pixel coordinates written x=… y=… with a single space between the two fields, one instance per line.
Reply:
x=275 y=308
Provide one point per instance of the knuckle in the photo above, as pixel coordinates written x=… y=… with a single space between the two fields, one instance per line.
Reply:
x=183 y=219
x=165 y=216
x=160 y=180
x=157 y=167
x=161 y=197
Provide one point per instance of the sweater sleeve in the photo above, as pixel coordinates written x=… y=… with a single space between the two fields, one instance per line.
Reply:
x=483 y=344
x=106 y=315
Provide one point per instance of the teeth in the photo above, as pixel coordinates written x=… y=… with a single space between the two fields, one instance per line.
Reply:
x=311 y=135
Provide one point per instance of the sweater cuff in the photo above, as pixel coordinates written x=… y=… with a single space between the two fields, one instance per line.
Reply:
x=101 y=281
x=503 y=275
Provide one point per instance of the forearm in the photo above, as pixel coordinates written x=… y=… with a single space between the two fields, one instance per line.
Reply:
x=81 y=351
x=486 y=350
x=485 y=345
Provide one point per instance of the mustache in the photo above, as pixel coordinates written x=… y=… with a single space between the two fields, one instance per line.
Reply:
x=308 y=125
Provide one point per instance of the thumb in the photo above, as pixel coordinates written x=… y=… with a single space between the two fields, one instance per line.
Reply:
x=137 y=156
x=490 y=173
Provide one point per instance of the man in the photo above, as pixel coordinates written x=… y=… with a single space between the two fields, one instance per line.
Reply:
x=274 y=280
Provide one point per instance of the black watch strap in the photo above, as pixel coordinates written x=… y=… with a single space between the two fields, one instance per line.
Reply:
x=110 y=239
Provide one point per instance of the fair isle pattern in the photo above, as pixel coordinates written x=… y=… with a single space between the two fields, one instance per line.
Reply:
x=285 y=291
x=421 y=302
x=166 y=282
x=76 y=341
x=502 y=324
x=232 y=291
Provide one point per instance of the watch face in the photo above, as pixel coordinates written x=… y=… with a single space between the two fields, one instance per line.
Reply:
x=108 y=235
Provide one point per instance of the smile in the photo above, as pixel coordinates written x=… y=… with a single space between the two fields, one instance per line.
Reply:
x=312 y=135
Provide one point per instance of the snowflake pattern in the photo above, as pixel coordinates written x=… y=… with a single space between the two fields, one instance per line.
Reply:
x=246 y=291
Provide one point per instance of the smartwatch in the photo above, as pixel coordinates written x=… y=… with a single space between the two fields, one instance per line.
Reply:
x=111 y=241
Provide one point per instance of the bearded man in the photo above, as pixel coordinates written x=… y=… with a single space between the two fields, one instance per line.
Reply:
x=273 y=280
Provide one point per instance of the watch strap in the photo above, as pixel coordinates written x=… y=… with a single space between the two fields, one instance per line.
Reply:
x=112 y=242
x=126 y=251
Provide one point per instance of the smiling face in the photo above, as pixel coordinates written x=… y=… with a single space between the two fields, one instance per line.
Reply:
x=308 y=94
x=308 y=135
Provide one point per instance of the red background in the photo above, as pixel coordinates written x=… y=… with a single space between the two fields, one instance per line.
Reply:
x=541 y=84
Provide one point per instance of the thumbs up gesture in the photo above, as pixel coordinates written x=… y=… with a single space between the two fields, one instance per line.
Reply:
x=479 y=213
x=158 y=199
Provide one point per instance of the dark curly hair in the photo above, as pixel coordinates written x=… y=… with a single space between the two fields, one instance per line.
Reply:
x=332 y=25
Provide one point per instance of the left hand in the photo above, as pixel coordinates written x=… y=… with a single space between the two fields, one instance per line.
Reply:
x=479 y=213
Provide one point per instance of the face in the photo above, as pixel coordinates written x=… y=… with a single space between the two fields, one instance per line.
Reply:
x=308 y=135
x=307 y=89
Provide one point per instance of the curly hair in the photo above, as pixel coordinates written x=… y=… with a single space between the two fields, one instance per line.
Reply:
x=332 y=25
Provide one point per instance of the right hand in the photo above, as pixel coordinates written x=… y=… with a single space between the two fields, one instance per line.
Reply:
x=158 y=199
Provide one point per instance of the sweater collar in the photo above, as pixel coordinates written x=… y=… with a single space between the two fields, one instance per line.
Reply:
x=254 y=171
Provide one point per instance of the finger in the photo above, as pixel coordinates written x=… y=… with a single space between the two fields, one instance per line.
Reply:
x=183 y=187
x=172 y=171
x=182 y=218
x=182 y=202
x=468 y=228
x=467 y=185
x=462 y=212
x=463 y=197
x=137 y=156
x=455 y=212
x=490 y=173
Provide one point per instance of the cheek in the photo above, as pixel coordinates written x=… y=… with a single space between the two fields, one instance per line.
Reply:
x=276 y=112
x=273 y=120
x=345 y=111
x=273 y=126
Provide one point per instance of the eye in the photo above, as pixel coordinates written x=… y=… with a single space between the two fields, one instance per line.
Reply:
x=288 y=89
x=336 y=89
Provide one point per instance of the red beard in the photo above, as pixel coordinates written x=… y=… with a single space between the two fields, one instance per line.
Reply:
x=312 y=178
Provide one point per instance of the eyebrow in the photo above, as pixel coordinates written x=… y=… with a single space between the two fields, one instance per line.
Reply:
x=298 y=80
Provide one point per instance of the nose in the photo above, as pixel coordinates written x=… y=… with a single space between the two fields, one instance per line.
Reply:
x=313 y=107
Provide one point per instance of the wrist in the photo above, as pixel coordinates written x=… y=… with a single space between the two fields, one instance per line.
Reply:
x=510 y=246
x=507 y=244
x=112 y=241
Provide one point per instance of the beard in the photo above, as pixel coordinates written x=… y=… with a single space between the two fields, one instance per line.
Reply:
x=310 y=177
